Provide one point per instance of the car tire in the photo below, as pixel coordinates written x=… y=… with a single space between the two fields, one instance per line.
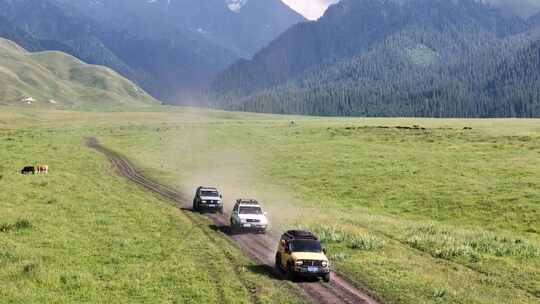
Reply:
x=326 y=278
x=291 y=276
x=234 y=229
x=195 y=207
x=220 y=211
x=277 y=264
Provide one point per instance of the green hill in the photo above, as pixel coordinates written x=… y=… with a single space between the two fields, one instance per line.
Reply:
x=55 y=79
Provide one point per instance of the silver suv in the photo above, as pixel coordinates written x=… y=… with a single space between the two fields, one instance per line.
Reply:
x=247 y=215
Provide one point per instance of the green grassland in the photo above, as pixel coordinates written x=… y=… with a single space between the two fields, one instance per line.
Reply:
x=441 y=214
x=447 y=211
x=83 y=235
x=60 y=81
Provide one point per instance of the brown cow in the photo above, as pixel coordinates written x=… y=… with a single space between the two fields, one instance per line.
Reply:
x=42 y=169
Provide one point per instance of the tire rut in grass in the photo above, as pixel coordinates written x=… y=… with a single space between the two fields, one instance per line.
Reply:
x=230 y=259
x=337 y=292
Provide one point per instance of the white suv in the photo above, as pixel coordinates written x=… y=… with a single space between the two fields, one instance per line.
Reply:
x=247 y=215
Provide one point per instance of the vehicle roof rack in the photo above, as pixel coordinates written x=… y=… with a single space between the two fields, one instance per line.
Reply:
x=247 y=201
x=301 y=234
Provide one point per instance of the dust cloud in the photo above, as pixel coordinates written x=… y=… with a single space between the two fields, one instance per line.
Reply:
x=234 y=172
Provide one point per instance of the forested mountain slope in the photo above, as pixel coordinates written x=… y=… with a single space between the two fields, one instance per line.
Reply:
x=417 y=58
x=517 y=83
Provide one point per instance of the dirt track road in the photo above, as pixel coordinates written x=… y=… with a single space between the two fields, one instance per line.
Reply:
x=260 y=248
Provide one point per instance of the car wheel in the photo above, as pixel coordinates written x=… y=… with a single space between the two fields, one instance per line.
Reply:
x=277 y=264
x=291 y=276
x=234 y=229
x=220 y=210
x=326 y=278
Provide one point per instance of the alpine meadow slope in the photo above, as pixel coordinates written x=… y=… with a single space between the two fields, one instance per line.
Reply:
x=384 y=58
x=57 y=80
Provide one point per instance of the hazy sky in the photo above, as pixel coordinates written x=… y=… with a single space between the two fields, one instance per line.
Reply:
x=311 y=9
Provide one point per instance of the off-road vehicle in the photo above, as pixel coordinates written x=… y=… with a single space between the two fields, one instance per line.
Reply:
x=207 y=199
x=300 y=254
x=247 y=215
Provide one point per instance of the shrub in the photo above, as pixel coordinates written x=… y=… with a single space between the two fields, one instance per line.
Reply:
x=51 y=201
x=366 y=242
x=457 y=251
x=22 y=224
x=439 y=293
x=339 y=256
x=5 y=227
x=29 y=268
x=19 y=225
x=443 y=244
x=330 y=234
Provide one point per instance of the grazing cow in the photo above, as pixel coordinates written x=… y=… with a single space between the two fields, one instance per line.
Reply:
x=42 y=169
x=28 y=170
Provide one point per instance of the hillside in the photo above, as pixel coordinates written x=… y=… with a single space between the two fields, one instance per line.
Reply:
x=171 y=48
x=519 y=82
x=380 y=58
x=55 y=79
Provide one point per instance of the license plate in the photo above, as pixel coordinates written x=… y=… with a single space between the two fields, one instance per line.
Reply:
x=211 y=206
x=312 y=269
x=247 y=225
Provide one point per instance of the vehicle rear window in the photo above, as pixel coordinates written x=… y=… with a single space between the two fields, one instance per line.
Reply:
x=306 y=246
x=250 y=210
x=209 y=193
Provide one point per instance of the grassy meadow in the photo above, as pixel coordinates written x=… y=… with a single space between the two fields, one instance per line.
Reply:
x=414 y=210
x=82 y=235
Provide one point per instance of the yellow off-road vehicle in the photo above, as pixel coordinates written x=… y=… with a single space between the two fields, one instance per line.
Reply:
x=300 y=254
